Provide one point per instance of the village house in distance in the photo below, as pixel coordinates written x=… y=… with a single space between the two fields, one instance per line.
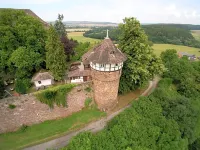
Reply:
x=103 y=65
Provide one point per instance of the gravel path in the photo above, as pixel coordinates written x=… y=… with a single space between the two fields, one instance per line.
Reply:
x=92 y=127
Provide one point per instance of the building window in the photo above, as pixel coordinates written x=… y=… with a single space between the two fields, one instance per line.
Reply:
x=39 y=82
x=102 y=65
x=116 y=64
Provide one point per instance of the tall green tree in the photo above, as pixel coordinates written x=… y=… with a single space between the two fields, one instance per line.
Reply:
x=141 y=64
x=55 y=55
x=61 y=31
x=17 y=29
x=59 y=26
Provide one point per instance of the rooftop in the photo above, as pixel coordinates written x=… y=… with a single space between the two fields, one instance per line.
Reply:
x=42 y=76
x=104 y=53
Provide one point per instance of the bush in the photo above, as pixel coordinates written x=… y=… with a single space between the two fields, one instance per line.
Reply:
x=11 y=106
x=54 y=95
x=23 y=128
x=22 y=85
x=88 y=101
x=88 y=89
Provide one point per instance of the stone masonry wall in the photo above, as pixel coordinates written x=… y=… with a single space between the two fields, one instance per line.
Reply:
x=106 y=86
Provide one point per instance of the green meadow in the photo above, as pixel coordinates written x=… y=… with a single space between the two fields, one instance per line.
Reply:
x=159 y=48
x=80 y=38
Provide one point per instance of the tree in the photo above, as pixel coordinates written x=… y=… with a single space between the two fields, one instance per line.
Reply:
x=141 y=64
x=25 y=61
x=69 y=46
x=59 y=26
x=55 y=56
x=142 y=126
x=17 y=29
x=61 y=31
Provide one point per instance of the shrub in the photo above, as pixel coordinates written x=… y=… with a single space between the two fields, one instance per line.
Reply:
x=88 y=101
x=54 y=95
x=23 y=128
x=88 y=89
x=11 y=106
x=22 y=85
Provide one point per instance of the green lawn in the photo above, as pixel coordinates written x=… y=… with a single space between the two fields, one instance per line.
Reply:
x=80 y=38
x=158 y=48
x=47 y=130
x=196 y=34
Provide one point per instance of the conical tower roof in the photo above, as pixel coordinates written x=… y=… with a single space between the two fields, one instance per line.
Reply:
x=105 y=53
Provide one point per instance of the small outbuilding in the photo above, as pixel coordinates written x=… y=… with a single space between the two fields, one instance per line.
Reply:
x=78 y=73
x=43 y=79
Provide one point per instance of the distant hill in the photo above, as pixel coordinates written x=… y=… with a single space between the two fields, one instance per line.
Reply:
x=178 y=34
x=184 y=26
x=87 y=24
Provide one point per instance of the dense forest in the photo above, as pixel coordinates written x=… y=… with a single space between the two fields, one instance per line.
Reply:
x=167 y=119
x=157 y=33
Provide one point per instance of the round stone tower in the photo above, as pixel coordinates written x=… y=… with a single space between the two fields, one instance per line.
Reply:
x=106 y=62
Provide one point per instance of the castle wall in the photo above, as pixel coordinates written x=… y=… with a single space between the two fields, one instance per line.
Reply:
x=106 y=86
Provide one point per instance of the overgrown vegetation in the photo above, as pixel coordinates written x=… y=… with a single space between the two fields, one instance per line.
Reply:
x=55 y=95
x=167 y=119
x=88 y=89
x=87 y=102
x=11 y=106
x=35 y=134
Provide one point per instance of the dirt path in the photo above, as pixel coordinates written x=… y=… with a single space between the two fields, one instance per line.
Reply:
x=92 y=127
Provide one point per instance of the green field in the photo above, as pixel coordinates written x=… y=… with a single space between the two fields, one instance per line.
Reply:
x=78 y=29
x=196 y=34
x=158 y=48
x=80 y=38
x=47 y=130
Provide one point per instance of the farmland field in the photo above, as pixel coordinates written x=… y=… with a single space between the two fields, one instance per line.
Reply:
x=196 y=34
x=158 y=48
x=80 y=38
x=78 y=29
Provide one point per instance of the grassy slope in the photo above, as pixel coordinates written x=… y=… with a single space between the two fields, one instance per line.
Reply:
x=196 y=34
x=80 y=38
x=47 y=130
x=158 y=48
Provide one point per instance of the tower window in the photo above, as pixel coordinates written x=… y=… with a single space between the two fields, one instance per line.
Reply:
x=39 y=82
x=102 y=65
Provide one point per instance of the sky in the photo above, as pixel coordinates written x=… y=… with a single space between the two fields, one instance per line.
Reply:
x=146 y=11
